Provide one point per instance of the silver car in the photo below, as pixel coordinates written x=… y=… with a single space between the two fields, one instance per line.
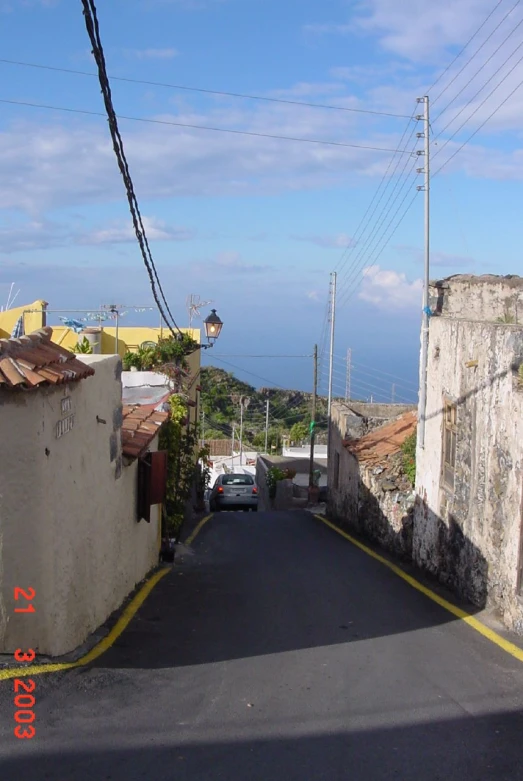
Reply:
x=234 y=492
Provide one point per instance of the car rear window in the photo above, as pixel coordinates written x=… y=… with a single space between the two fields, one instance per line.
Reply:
x=237 y=480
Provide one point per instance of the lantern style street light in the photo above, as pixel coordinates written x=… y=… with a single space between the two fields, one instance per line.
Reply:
x=213 y=327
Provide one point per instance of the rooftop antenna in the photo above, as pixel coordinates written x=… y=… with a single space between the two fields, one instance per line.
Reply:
x=10 y=298
x=194 y=304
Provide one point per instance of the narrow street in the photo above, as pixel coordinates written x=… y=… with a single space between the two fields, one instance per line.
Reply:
x=277 y=651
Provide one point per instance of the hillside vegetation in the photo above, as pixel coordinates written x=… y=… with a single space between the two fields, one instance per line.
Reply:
x=289 y=410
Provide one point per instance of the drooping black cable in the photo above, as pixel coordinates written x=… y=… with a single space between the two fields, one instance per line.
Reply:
x=93 y=30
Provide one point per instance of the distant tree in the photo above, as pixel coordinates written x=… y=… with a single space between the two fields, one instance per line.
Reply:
x=298 y=432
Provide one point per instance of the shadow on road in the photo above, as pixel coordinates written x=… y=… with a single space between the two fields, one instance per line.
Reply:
x=268 y=583
x=477 y=749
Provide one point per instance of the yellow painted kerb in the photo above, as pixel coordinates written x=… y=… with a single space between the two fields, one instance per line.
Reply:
x=494 y=637
x=190 y=539
x=102 y=646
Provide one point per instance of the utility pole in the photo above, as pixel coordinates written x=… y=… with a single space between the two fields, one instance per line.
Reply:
x=244 y=402
x=422 y=408
x=347 y=381
x=331 y=356
x=203 y=427
x=267 y=425
x=241 y=430
x=232 y=447
x=393 y=394
x=313 y=416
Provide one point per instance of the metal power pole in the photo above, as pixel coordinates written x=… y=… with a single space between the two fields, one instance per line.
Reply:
x=347 y=381
x=313 y=416
x=393 y=394
x=232 y=447
x=331 y=356
x=267 y=426
x=116 y=333
x=422 y=407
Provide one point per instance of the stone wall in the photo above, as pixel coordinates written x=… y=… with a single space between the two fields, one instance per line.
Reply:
x=386 y=506
x=375 y=501
x=470 y=536
x=376 y=411
x=483 y=298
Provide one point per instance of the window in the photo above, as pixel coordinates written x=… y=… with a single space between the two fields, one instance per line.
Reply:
x=237 y=480
x=450 y=432
x=336 y=469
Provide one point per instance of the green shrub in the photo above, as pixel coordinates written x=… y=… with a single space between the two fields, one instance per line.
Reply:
x=409 y=457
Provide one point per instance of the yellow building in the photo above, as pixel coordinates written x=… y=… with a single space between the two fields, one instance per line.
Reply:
x=103 y=339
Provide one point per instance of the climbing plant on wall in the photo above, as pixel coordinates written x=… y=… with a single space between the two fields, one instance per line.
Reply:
x=408 y=450
x=180 y=440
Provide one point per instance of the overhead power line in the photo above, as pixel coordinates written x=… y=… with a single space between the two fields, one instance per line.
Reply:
x=448 y=140
x=387 y=240
x=434 y=100
x=93 y=31
x=361 y=367
x=373 y=240
x=474 y=76
x=453 y=155
x=374 y=252
x=201 y=127
x=239 y=368
x=207 y=91
x=458 y=55
x=357 y=234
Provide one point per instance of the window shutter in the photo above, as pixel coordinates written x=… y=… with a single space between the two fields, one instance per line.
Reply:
x=144 y=488
x=158 y=476
x=152 y=482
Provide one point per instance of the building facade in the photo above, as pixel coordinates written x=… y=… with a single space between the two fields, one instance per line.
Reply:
x=469 y=474
x=79 y=508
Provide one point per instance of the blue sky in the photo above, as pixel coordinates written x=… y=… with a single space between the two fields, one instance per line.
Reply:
x=256 y=224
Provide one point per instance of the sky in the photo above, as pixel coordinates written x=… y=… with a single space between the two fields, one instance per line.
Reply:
x=257 y=224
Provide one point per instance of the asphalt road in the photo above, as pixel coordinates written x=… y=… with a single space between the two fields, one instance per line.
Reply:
x=277 y=651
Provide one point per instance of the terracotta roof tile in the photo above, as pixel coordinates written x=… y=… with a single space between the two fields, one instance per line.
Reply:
x=35 y=360
x=140 y=425
x=384 y=441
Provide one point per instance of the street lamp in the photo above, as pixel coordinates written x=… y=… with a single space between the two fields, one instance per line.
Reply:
x=213 y=327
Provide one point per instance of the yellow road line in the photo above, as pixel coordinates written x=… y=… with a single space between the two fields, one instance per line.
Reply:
x=198 y=529
x=477 y=625
x=101 y=647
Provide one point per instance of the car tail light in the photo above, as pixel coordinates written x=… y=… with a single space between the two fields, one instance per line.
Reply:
x=220 y=490
x=255 y=490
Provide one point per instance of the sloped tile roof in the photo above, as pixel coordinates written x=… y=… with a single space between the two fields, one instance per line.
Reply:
x=139 y=427
x=34 y=360
x=384 y=441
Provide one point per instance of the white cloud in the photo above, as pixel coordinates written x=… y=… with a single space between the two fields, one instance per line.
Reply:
x=156 y=230
x=45 y=234
x=390 y=290
x=338 y=241
x=421 y=28
x=168 y=161
x=153 y=54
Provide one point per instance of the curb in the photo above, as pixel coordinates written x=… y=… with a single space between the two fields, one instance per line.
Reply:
x=457 y=612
